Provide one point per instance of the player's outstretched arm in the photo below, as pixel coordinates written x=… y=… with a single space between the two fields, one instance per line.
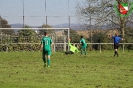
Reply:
x=122 y=39
x=69 y=42
x=52 y=46
x=41 y=46
x=69 y=39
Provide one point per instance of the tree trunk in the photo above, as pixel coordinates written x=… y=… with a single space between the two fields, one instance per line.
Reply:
x=122 y=26
x=122 y=19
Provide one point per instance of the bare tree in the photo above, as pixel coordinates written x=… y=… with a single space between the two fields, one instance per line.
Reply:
x=101 y=12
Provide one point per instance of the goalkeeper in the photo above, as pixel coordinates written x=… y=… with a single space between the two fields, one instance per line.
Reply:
x=73 y=48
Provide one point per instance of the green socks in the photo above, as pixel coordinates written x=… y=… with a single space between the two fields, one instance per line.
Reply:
x=48 y=62
x=83 y=52
x=44 y=60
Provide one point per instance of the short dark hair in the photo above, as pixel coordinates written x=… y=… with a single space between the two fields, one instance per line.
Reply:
x=81 y=36
x=45 y=33
x=116 y=34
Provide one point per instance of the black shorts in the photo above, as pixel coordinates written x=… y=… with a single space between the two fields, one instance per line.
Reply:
x=116 y=46
x=69 y=52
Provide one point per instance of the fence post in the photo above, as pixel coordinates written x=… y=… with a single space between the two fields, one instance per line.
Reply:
x=64 y=43
x=100 y=47
x=54 y=47
x=7 y=48
x=123 y=47
x=68 y=37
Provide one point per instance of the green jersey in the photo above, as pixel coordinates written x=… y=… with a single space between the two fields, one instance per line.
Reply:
x=46 y=41
x=83 y=42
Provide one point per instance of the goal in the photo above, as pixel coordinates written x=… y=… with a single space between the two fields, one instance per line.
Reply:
x=28 y=39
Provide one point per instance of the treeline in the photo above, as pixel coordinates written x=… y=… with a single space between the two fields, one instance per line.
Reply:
x=29 y=40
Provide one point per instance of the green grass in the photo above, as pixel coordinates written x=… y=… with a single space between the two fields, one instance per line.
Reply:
x=96 y=70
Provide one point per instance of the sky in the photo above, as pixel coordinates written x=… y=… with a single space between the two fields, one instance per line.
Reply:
x=36 y=11
x=39 y=12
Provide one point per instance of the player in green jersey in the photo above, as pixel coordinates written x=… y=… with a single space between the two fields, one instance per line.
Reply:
x=45 y=47
x=73 y=48
x=83 y=45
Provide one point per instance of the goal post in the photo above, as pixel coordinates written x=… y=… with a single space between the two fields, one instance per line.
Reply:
x=29 y=38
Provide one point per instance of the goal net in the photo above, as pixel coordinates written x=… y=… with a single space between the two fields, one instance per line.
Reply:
x=28 y=39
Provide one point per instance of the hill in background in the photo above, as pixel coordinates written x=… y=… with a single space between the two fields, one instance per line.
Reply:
x=76 y=26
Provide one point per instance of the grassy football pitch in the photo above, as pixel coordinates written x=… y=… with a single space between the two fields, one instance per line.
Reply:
x=96 y=70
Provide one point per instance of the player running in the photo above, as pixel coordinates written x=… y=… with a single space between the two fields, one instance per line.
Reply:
x=73 y=48
x=45 y=47
x=83 y=45
x=117 y=40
